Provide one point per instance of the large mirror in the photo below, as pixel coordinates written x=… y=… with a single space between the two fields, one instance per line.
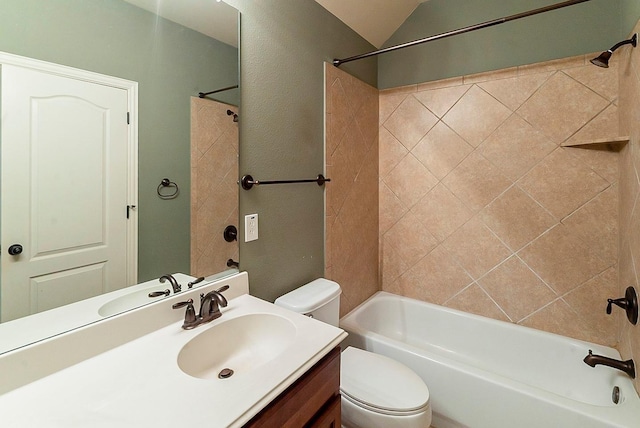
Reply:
x=173 y=51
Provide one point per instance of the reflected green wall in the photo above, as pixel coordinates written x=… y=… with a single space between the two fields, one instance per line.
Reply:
x=171 y=64
x=583 y=28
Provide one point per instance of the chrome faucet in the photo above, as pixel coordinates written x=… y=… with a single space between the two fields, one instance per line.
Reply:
x=626 y=366
x=174 y=284
x=210 y=304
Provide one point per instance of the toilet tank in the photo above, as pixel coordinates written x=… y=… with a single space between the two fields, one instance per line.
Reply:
x=319 y=299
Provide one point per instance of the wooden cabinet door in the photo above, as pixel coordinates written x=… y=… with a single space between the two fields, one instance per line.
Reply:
x=330 y=418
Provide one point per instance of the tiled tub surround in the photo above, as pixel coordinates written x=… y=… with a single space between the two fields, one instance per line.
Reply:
x=214 y=192
x=351 y=248
x=629 y=250
x=481 y=207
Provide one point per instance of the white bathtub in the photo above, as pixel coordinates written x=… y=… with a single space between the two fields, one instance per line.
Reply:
x=484 y=373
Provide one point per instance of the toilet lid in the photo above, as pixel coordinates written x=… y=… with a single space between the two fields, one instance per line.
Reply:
x=381 y=383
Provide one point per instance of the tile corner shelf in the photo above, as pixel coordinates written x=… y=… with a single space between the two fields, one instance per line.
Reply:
x=609 y=140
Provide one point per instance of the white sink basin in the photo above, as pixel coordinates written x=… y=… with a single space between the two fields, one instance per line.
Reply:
x=138 y=295
x=240 y=344
x=131 y=300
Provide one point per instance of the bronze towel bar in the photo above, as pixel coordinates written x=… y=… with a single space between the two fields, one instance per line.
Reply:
x=247 y=182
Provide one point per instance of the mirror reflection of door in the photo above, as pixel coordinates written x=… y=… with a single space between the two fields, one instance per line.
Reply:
x=65 y=190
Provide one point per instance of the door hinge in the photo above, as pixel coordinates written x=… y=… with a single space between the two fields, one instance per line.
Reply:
x=129 y=208
x=128 y=118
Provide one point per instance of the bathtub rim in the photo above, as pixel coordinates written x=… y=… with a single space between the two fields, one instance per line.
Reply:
x=609 y=351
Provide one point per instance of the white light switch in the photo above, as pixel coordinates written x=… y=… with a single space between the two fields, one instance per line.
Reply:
x=250 y=227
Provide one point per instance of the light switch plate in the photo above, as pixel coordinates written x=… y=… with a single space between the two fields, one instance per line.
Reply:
x=250 y=227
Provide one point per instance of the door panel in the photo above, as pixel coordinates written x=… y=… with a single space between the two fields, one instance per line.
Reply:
x=69 y=193
x=64 y=190
x=57 y=289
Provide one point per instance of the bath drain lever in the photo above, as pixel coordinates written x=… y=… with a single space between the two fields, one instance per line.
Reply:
x=615 y=395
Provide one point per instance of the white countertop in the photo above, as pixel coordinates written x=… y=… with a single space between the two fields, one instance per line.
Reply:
x=63 y=349
x=139 y=384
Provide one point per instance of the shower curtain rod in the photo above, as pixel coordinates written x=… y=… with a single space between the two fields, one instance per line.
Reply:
x=204 y=94
x=338 y=62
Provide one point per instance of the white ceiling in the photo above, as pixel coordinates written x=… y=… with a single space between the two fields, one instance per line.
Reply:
x=374 y=20
x=215 y=19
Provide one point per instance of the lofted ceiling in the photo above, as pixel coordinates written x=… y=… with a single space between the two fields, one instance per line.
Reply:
x=215 y=19
x=374 y=20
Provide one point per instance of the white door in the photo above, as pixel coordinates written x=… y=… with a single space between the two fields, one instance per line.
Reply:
x=64 y=172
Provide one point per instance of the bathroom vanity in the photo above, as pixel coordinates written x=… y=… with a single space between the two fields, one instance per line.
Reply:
x=312 y=401
x=256 y=365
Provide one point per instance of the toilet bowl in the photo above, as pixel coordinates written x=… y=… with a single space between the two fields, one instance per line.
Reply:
x=377 y=391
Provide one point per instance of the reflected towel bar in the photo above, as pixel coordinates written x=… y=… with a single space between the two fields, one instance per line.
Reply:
x=204 y=94
x=247 y=182
x=165 y=184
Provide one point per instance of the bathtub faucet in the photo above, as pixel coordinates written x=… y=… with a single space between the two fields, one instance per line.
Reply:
x=626 y=366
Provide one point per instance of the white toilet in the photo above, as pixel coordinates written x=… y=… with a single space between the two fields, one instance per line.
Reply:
x=377 y=392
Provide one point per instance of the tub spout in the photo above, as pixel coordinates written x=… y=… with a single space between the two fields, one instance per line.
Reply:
x=626 y=366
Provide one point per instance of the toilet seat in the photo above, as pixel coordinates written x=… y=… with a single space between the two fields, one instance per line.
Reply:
x=381 y=384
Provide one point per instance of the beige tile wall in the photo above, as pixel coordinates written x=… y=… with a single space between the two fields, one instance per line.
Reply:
x=629 y=249
x=482 y=209
x=351 y=144
x=214 y=192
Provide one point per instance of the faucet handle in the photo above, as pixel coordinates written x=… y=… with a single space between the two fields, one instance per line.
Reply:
x=610 y=301
x=195 y=281
x=190 y=318
x=629 y=303
x=182 y=304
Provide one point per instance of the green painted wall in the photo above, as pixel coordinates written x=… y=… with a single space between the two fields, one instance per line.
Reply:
x=171 y=64
x=629 y=15
x=587 y=27
x=283 y=46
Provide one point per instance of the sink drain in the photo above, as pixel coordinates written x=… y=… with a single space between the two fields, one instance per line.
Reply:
x=225 y=373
